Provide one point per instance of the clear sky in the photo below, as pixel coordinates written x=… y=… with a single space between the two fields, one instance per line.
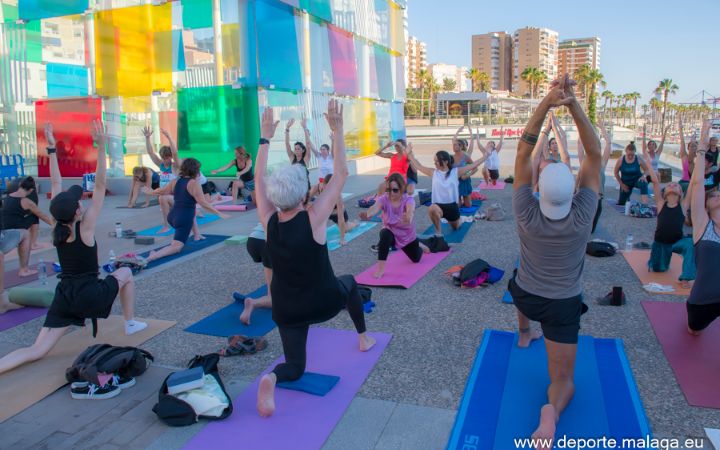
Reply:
x=642 y=41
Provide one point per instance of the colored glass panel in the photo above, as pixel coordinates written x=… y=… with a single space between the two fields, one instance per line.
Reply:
x=383 y=69
x=136 y=104
x=398 y=76
x=362 y=62
x=10 y=12
x=397 y=30
x=321 y=69
x=342 y=51
x=278 y=55
x=318 y=8
x=361 y=135
x=231 y=45
x=276 y=98
x=197 y=13
x=65 y=80
x=397 y=120
x=178 y=48
x=72 y=124
x=42 y=9
x=33 y=41
x=133 y=50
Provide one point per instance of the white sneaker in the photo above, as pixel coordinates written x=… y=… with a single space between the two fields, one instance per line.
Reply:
x=134 y=327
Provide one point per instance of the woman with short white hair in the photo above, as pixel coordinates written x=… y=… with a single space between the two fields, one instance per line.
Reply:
x=304 y=288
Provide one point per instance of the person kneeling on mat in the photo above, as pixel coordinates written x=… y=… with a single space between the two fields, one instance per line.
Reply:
x=304 y=288
x=186 y=192
x=258 y=251
x=669 y=235
x=398 y=216
x=553 y=233
x=703 y=304
x=445 y=188
x=80 y=294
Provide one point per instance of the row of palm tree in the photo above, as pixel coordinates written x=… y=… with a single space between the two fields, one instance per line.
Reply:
x=622 y=105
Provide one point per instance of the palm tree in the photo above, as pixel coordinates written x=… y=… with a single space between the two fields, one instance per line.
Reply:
x=634 y=97
x=421 y=77
x=580 y=76
x=589 y=79
x=655 y=106
x=606 y=95
x=665 y=87
x=480 y=80
x=449 y=84
x=534 y=77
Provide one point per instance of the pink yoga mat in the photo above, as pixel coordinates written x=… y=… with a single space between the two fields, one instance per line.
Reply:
x=498 y=187
x=12 y=278
x=400 y=272
x=695 y=360
x=301 y=420
x=231 y=207
x=19 y=316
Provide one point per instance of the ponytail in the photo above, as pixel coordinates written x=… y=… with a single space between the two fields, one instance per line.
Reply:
x=443 y=156
x=60 y=233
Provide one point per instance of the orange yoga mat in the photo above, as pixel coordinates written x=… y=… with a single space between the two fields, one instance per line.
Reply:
x=638 y=260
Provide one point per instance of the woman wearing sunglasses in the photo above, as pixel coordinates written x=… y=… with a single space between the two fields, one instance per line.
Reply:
x=398 y=211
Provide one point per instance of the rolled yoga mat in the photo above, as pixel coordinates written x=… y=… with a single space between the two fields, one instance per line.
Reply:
x=507 y=386
x=26 y=296
x=400 y=272
x=499 y=186
x=695 y=360
x=231 y=207
x=301 y=421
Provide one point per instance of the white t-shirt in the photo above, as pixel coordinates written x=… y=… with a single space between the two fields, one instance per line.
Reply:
x=445 y=188
x=493 y=161
x=325 y=166
x=202 y=179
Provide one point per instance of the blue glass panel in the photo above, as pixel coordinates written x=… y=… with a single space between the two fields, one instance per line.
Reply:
x=278 y=56
x=65 y=80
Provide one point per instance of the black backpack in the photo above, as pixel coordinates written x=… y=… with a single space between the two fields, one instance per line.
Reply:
x=436 y=244
x=178 y=413
x=106 y=358
x=471 y=271
x=600 y=249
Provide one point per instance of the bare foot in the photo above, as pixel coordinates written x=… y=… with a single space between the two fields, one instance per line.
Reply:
x=27 y=272
x=266 y=395
x=5 y=304
x=546 y=430
x=146 y=204
x=366 y=342
x=164 y=229
x=527 y=337
x=36 y=246
x=151 y=256
x=199 y=237
x=247 y=312
x=424 y=248
x=684 y=284
x=378 y=273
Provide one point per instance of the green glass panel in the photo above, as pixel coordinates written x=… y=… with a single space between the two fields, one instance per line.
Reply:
x=34 y=41
x=10 y=12
x=318 y=8
x=197 y=13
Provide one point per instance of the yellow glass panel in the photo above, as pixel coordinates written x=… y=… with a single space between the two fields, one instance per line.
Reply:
x=231 y=45
x=397 y=32
x=136 y=104
x=368 y=135
x=132 y=48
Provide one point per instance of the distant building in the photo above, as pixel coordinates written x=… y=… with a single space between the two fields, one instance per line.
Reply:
x=492 y=54
x=534 y=47
x=573 y=53
x=441 y=71
x=415 y=61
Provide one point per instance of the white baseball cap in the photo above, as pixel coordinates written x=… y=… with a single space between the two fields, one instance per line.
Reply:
x=556 y=186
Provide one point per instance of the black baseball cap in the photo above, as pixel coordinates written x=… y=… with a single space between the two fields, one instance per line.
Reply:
x=65 y=204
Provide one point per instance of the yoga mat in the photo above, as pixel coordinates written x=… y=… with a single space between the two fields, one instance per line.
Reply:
x=333 y=234
x=190 y=247
x=231 y=207
x=12 y=278
x=714 y=436
x=507 y=386
x=507 y=297
x=41 y=378
x=17 y=317
x=497 y=187
x=638 y=260
x=301 y=421
x=469 y=211
x=312 y=383
x=451 y=236
x=377 y=218
x=154 y=230
x=139 y=205
x=400 y=272
x=695 y=360
x=225 y=321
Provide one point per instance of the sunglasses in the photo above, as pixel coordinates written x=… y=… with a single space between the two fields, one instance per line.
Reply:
x=394 y=190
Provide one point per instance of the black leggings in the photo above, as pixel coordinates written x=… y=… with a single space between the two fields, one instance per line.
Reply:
x=294 y=339
x=387 y=240
x=597 y=214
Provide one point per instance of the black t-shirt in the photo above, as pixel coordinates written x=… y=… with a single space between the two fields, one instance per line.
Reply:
x=670 y=223
x=712 y=180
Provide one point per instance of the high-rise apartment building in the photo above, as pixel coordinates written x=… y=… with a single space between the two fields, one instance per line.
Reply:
x=415 y=61
x=492 y=54
x=534 y=47
x=573 y=53
x=458 y=74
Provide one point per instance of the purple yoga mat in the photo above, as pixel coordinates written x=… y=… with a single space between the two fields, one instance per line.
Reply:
x=19 y=316
x=12 y=278
x=301 y=420
x=492 y=187
x=400 y=272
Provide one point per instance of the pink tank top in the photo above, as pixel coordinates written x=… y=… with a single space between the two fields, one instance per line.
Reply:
x=686 y=170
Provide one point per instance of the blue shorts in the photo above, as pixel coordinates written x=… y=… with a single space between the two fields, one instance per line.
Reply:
x=182 y=220
x=465 y=187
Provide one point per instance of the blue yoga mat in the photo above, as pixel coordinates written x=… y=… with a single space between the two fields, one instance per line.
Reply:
x=225 y=321
x=451 y=236
x=508 y=385
x=333 y=234
x=154 y=230
x=312 y=383
x=469 y=211
x=190 y=247
x=507 y=297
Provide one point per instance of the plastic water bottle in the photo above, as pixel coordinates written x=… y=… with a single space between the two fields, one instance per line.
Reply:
x=627 y=208
x=629 y=242
x=111 y=256
x=118 y=230
x=42 y=272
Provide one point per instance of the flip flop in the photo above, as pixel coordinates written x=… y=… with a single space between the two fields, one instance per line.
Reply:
x=243 y=347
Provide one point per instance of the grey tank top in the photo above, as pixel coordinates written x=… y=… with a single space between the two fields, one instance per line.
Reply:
x=706 y=289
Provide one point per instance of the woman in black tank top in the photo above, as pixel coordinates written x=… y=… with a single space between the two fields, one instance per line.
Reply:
x=80 y=294
x=304 y=287
x=669 y=235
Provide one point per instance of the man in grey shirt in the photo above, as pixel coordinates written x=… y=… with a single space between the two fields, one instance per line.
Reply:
x=553 y=234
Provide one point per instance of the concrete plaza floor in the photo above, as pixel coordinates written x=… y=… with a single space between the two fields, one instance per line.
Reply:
x=410 y=399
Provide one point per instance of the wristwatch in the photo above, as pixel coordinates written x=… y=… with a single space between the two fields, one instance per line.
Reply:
x=264 y=141
x=51 y=150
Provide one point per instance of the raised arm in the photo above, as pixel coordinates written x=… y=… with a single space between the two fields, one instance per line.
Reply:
x=462 y=171
x=288 y=147
x=147 y=132
x=165 y=190
x=538 y=152
x=457 y=133
x=498 y=147
x=644 y=140
x=370 y=212
x=683 y=149
x=697 y=186
x=55 y=177
x=561 y=138
x=173 y=148
x=476 y=137
x=87 y=226
x=381 y=151
x=340 y=206
x=662 y=141
x=308 y=138
x=33 y=208
x=419 y=167
x=268 y=125
x=580 y=151
x=471 y=145
x=608 y=144
x=657 y=191
x=589 y=174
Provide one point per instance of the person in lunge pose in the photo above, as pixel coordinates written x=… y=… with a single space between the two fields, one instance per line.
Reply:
x=629 y=175
x=553 y=233
x=169 y=165
x=304 y=287
x=80 y=295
